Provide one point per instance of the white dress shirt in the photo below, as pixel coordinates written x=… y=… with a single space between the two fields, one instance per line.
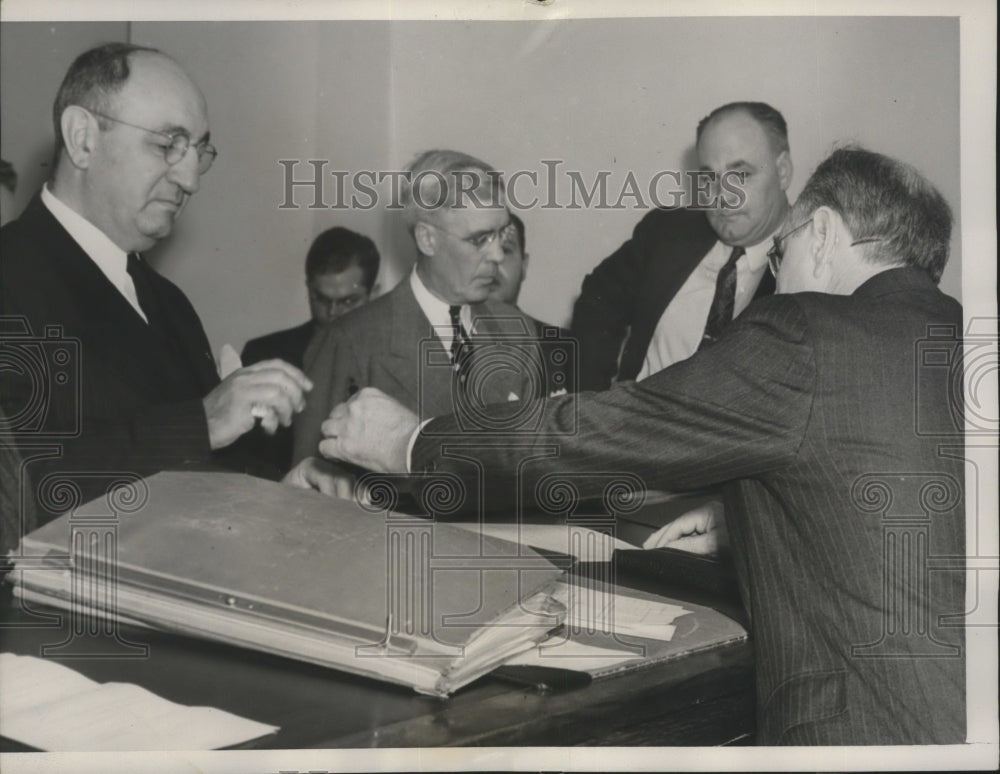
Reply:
x=109 y=257
x=679 y=331
x=436 y=311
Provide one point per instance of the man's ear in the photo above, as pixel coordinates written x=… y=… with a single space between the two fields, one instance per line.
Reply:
x=785 y=169
x=79 y=131
x=425 y=238
x=826 y=227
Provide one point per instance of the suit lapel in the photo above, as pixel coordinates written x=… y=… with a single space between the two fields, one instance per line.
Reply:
x=111 y=330
x=416 y=360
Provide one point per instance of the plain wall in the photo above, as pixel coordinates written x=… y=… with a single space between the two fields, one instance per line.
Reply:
x=33 y=60
x=615 y=95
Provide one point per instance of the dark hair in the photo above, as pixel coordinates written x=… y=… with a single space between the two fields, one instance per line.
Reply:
x=337 y=249
x=770 y=120
x=519 y=227
x=93 y=80
x=882 y=198
x=8 y=175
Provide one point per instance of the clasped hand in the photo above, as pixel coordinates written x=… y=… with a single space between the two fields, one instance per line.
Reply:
x=272 y=391
x=371 y=430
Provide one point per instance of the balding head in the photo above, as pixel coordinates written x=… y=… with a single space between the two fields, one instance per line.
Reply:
x=121 y=111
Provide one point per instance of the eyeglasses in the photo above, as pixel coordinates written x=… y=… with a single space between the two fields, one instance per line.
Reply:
x=177 y=145
x=483 y=239
x=777 y=252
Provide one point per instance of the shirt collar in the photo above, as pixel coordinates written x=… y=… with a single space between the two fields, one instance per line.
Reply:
x=436 y=310
x=756 y=255
x=109 y=257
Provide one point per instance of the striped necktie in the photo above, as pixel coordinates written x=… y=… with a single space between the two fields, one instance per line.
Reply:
x=720 y=313
x=461 y=347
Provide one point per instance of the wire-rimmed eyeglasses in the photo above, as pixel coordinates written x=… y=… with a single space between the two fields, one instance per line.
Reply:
x=481 y=239
x=177 y=145
x=777 y=252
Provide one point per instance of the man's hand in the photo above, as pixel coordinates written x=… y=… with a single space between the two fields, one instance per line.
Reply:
x=700 y=531
x=272 y=391
x=323 y=476
x=371 y=430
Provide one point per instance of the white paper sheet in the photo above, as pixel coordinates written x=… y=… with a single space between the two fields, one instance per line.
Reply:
x=570 y=654
x=51 y=707
x=595 y=610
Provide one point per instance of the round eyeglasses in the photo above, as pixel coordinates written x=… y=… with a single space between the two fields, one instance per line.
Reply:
x=481 y=239
x=176 y=144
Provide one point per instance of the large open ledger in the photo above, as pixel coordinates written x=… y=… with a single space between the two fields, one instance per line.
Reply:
x=266 y=566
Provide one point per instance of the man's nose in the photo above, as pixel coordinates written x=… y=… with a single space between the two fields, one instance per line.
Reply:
x=185 y=172
x=494 y=251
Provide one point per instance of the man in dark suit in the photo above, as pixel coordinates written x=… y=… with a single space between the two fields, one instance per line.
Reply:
x=654 y=295
x=433 y=340
x=835 y=436
x=341 y=267
x=106 y=359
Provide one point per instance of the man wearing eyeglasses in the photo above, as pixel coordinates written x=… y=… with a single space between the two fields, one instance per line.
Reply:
x=685 y=274
x=436 y=342
x=832 y=414
x=135 y=388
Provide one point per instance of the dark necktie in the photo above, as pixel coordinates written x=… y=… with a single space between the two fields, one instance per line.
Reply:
x=720 y=313
x=184 y=363
x=460 y=344
x=139 y=273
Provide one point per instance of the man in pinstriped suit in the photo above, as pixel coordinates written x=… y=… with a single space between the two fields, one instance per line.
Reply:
x=831 y=433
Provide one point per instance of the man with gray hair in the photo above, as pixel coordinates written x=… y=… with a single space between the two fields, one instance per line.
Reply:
x=429 y=340
x=832 y=414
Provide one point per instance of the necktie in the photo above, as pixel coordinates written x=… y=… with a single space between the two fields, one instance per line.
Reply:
x=138 y=271
x=720 y=313
x=461 y=347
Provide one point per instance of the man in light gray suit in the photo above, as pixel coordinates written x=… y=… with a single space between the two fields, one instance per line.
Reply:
x=831 y=415
x=436 y=340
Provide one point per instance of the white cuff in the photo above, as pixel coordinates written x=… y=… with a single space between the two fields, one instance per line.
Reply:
x=412 y=442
